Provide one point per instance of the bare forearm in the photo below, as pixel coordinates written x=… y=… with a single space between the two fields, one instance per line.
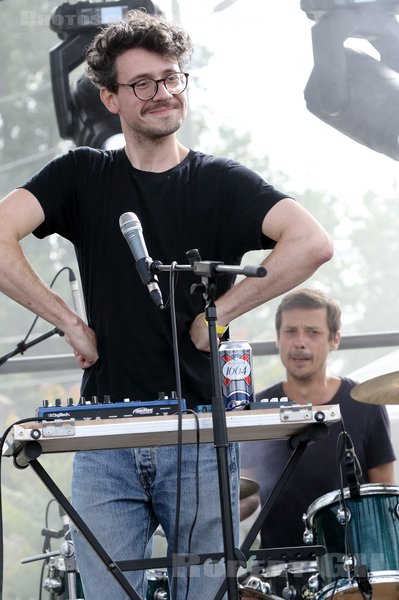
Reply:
x=383 y=473
x=290 y=263
x=20 y=282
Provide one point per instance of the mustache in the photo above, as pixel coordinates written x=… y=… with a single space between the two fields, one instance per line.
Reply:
x=158 y=105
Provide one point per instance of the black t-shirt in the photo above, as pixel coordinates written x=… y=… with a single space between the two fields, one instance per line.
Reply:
x=317 y=472
x=215 y=205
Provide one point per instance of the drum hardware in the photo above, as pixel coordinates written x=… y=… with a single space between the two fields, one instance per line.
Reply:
x=254 y=583
x=351 y=465
x=349 y=563
x=364 y=583
x=379 y=390
x=370 y=570
x=310 y=590
x=298 y=576
x=289 y=592
x=53 y=583
x=157 y=585
x=297 y=580
x=62 y=575
x=343 y=515
x=62 y=580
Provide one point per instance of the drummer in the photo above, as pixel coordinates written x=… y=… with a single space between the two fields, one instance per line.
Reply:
x=308 y=329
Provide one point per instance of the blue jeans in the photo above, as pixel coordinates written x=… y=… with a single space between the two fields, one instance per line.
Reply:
x=123 y=495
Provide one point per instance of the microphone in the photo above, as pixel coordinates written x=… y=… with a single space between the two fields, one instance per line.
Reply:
x=76 y=296
x=65 y=520
x=133 y=233
x=353 y=469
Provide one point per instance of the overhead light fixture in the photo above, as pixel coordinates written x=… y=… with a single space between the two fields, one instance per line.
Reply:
x=81 y=116
x=350 y=90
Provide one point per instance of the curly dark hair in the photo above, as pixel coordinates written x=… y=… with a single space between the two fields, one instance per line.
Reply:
x=138 y=29
x=307 y=298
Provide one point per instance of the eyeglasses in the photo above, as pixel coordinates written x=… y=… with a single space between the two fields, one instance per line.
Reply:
x=146 y=89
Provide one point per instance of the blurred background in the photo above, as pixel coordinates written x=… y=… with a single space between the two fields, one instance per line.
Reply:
x=306 y=93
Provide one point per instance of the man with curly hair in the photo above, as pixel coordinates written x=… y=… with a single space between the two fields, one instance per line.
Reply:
x=184 y=199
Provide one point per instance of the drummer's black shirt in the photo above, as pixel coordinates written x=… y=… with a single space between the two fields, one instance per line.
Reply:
x=317 y=472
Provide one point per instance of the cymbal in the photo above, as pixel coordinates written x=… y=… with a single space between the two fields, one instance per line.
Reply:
x=379 y=390
x=247 y=487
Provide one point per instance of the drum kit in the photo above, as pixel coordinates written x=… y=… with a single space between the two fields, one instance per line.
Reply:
x=360 y=535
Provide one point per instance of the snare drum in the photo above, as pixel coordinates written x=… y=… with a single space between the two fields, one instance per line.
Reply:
x=357 y=532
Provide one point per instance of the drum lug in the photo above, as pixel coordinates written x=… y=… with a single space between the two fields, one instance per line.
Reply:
x=308 y=537
x=343 y=515
x=349 y=562
x=254 y=583
x=312 y=587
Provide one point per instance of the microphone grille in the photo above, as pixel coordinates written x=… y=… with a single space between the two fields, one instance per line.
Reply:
x=128 y=221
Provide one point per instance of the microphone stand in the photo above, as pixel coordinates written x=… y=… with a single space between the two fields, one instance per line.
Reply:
x=22 y=346
x=208 y=270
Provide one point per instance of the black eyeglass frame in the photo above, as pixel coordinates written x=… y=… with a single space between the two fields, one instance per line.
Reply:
x=157 y=82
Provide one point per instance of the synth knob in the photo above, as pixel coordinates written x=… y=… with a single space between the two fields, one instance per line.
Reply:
x=82 y=400
x=58 y=401
x=107 y=399
x=94 y=400
x=46 y=403
x=70 y=402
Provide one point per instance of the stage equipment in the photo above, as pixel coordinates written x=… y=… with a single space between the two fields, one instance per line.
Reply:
x=350 y=90
x=300 y=425
x=76 y=432
x=383 y=389
x=361 y=537
x=81 y=116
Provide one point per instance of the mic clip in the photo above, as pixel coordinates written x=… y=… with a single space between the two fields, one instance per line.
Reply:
x=146 y=268
x=351 y=473
x=363 y=583
x=143 y=266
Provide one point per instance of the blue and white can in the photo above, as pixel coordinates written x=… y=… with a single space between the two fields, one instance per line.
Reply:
x=237 y=374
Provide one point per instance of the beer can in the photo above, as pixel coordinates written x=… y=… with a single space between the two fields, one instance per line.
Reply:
x=237 y=374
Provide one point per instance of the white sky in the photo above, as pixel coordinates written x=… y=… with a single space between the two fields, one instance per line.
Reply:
x=270 y=40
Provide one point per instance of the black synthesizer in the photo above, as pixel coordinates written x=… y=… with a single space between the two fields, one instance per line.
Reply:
x=92 y=410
